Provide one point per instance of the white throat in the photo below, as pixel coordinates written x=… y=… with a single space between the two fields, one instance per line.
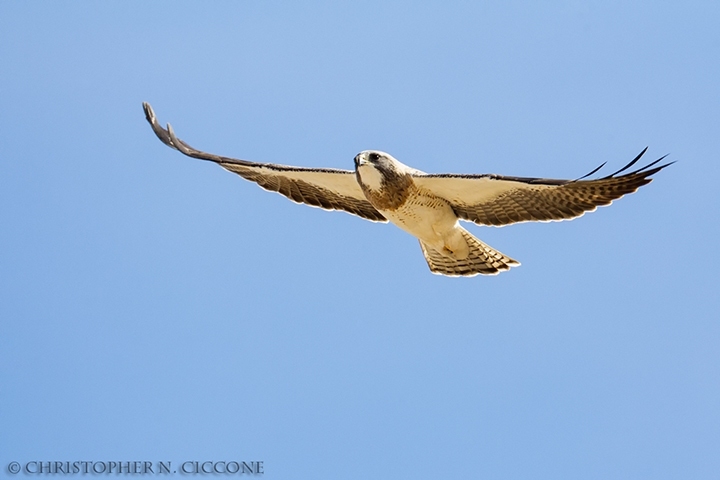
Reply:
x=370 y=176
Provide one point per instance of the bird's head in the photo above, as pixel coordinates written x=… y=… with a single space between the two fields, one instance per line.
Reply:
x=375 y=168
x=374 y=158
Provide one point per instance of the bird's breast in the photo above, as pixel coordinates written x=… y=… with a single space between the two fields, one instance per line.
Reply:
x=423 y=215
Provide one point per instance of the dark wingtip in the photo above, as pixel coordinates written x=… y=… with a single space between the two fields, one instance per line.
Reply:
x=652 y=164
x=175 y=141
x=634 y=161
x=160 y=133
x=588 y=174
x=646 y=171
x=149 y=114
x=167 y=136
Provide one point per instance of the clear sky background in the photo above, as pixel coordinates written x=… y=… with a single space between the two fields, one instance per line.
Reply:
x=156 y=307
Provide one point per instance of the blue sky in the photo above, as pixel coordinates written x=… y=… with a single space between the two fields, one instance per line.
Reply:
x=155 y=307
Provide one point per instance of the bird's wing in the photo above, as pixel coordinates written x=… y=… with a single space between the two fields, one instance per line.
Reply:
x=500 y=200
x=326 y=188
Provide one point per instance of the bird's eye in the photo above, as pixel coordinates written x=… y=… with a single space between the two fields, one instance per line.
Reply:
x=373 y=157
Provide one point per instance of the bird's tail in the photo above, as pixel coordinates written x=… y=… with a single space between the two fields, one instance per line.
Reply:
x=481 y=259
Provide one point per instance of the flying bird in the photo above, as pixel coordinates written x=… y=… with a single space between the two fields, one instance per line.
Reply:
x=429 y=206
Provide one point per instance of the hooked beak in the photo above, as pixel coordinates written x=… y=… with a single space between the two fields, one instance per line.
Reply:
x=360 y=160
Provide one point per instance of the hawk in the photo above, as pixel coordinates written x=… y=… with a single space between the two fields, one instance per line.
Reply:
x=429 y=206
